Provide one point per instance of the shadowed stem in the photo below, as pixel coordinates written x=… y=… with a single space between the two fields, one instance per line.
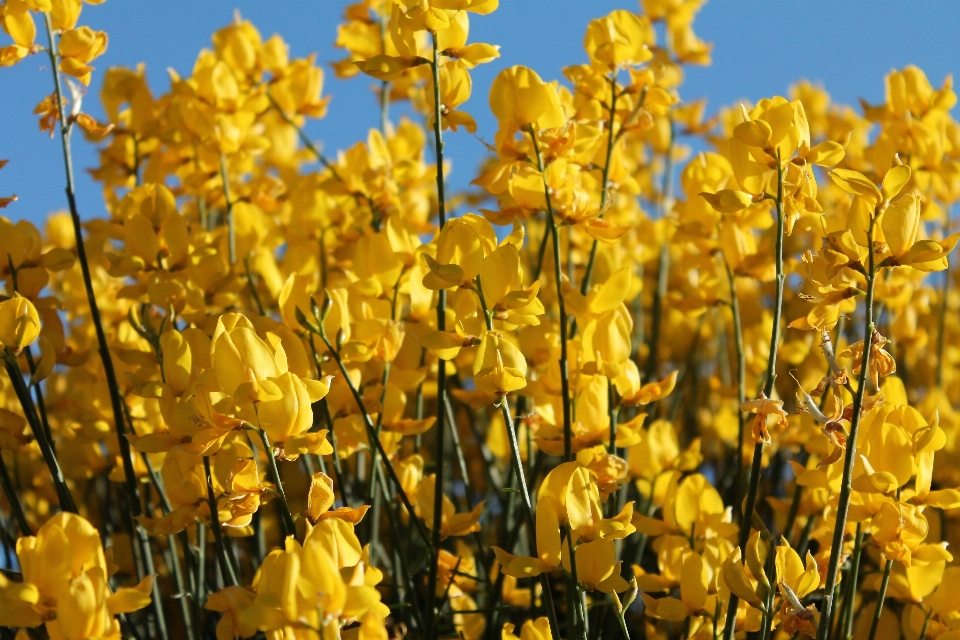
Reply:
x=186 y=599
x=851 y=596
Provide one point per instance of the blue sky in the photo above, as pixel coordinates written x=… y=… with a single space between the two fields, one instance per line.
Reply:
x=760 y=48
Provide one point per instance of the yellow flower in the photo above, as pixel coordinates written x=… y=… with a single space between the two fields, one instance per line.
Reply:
x=791 y=573
x=18 y=22
x=19 y=323
x=519 y=98
x=65 y=583
x=617 y=40
x=693 y=593
x=231 y=601
x=78 y=47
x=243 y=363
x=292 y=413
x=499 y=366
x=538 y=629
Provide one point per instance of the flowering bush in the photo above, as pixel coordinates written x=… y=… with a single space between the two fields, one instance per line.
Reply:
x=619 y=387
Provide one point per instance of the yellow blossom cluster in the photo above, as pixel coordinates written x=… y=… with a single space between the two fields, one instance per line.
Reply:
x=656 y=374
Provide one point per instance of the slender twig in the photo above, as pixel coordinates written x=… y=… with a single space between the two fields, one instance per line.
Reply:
x=38 y=394
x=850 y=598
x=184 y=595
x=252 y=286
x=201 y=577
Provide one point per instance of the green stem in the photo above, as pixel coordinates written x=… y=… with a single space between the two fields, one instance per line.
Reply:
x=881 y=596
x=231 y=229
x=38 y=396
x=64 y=496
x=373 y=487
x=226 y=565
x=252 y=286
x=116 y=401
x=374 y=441
x=626 y=634
x=13 y=499
x=286 y=520
x=746 y=524
x=538 y=268
x=201 y=578
x=558 y=276
x=663 y=265
x=604 y=181
x=439 y=453
x=771 y=374
x=528 y=511
x=329 y=166
x=612 y=414
x=926 y=623
x=852 y=579
x=185 y=596
x=576 y=622
x=384 y=106
x=741 y=380
x=846 y=481
x=942 y=321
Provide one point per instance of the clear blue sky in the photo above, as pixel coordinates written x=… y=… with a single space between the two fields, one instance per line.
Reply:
x=760 y=48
